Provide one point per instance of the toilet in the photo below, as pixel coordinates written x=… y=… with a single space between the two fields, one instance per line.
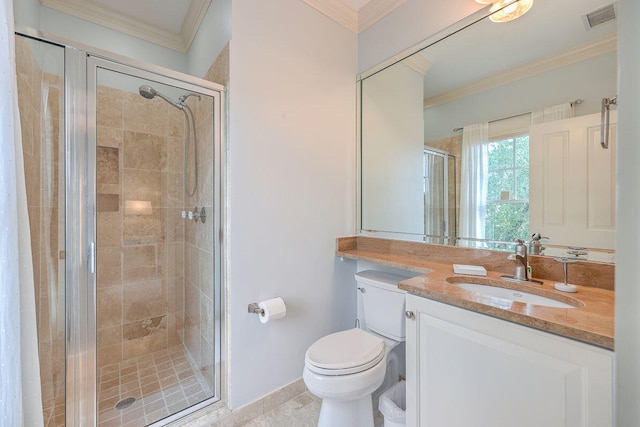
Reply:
x=346 y=368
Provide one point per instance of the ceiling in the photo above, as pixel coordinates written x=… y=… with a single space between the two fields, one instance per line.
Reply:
x=174 y=23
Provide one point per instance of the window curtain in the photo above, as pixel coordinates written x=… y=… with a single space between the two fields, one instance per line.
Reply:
x=550 y=114
x=20 y=393
x=474 y=176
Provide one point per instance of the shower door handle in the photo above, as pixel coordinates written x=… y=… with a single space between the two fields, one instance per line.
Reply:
x=92 y=257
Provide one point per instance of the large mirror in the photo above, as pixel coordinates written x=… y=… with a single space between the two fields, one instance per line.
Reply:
x=492 y=132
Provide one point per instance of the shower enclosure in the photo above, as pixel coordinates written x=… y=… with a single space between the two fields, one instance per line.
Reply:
x=123 y=173
x=439 y=196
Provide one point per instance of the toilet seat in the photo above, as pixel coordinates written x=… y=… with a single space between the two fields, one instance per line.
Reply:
x=344 y=353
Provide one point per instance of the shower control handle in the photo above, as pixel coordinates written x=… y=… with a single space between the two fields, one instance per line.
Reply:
x=195 y=214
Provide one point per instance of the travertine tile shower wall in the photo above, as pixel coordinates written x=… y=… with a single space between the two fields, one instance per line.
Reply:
x=140 y=236
x=41 y=98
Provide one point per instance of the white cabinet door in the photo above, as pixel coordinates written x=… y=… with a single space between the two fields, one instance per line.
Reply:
x=467 y=369
x=572 y=182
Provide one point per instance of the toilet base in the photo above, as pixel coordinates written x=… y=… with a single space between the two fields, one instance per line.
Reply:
x=346 y=413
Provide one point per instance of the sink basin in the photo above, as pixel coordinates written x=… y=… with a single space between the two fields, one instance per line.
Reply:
x=513 y=295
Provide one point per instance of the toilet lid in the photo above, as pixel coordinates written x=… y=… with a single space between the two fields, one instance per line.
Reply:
x=345 y=352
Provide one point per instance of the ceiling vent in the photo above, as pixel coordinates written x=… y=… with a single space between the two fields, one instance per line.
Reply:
x=599 y=16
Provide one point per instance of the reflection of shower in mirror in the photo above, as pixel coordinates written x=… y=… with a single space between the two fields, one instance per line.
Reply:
x=439 y=195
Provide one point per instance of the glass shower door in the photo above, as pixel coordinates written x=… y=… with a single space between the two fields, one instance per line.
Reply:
x=41 y=88
x=156 y=301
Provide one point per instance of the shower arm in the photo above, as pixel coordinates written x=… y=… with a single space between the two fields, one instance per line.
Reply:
x=183 y=98
x=170 y=101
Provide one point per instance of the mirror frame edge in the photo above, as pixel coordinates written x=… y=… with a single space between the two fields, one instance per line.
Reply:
x=438 y=36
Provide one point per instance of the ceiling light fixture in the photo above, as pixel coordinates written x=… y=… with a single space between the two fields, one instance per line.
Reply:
x=508 y=10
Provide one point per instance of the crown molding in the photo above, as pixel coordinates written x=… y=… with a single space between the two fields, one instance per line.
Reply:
x=374 y=11
x=98 y=14
x=355 y=20
x=418 y=63
x=191 y=24
x=337 y=10
x=548 y=63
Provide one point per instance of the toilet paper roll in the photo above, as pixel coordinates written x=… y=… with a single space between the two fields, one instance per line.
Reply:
x=272 y=309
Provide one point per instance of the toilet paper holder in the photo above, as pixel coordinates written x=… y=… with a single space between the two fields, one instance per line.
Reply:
x=268 y=310
x=255 y=309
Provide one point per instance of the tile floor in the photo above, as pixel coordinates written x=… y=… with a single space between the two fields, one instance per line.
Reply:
x=162 y=383
x=301 y=411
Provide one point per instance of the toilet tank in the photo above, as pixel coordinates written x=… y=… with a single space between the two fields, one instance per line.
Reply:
x=383 y=304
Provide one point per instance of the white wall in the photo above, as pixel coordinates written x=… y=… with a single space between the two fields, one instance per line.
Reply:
x=409 y=24
x=291 y=187
x=628 y=241
x=392 y=159
x=214 y=33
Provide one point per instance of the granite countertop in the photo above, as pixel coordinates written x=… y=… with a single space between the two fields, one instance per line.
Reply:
x=592 y=321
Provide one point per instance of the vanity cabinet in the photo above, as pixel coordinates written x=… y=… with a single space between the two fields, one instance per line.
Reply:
x=469 y=369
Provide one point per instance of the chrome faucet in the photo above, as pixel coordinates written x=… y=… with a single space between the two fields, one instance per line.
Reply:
x=521 y=273
x=535 y=245
x=520 y=258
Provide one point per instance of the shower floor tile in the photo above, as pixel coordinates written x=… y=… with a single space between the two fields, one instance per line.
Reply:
x=161 y=383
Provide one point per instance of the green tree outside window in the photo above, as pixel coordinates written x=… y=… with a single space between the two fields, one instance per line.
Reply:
x=507 y=215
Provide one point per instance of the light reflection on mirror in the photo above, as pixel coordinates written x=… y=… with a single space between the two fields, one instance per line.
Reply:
x=504 y=75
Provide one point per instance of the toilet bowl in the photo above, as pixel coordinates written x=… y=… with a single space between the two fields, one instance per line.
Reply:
x=345 y=368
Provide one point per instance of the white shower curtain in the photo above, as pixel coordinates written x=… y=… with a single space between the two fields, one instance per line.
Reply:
x=474 y=176
x=20 y=394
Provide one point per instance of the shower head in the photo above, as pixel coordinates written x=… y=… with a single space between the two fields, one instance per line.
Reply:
x=148 y=92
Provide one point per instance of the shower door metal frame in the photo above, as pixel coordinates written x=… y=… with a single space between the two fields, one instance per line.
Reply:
x=80 y=77
x=80 y=236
